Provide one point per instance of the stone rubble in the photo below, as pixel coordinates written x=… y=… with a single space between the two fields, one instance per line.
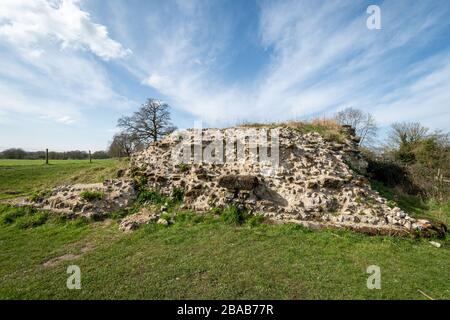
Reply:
x=67 y=199
x=318 y=183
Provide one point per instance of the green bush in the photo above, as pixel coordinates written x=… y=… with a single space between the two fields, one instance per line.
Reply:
x=178 y=194
x=183 y=167
x=151 y=196
x=233 y=215
x=118 y=214
x=255 y=220
x=8 y=215
x=23 y=217
x=39 y=196
x=92 y=195
x=32 y=220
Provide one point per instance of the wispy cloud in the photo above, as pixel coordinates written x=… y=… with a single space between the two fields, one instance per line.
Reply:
x=46 y=70
x=222 y=61
x=323 y=59
x=27 y=24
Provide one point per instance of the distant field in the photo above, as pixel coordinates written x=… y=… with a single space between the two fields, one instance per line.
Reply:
x=13 y=163
x=23 y=177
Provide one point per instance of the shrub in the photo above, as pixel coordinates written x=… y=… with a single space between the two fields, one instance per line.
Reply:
x=39 y=196
x=329 y=129
x=92 y=195
x=178 y=194
x=10 y=214
x=151 y=196
x=23 y=217
x=392 y=175
x=255 y=220
x=32 y=220
x=183 y=167
x=233 y=215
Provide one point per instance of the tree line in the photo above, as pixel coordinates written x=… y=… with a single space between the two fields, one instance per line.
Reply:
x=413 y=158
x=20 y=154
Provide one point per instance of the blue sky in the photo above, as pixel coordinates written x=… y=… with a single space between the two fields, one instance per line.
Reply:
x=69 y=69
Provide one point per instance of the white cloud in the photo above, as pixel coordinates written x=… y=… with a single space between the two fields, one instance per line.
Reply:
x=323 y=58
x=43 y=72
x=26 y=24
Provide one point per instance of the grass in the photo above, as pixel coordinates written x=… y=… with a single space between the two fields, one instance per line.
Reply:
x=92 y=195
x=329 y=129
x=226 y=255
x=205 y=258
x=415 y=206
x=28 y=177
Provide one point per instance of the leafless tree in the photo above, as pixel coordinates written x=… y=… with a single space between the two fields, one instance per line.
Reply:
x=150 y=123
x=363 y=123
x=124 y=144
x=407 y=133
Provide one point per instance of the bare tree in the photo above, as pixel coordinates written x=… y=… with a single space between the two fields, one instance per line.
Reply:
x=124 y=144
x=150 y=123
x=363 y=123
x=407 y=133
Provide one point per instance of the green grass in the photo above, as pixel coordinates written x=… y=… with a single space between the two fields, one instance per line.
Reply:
x=415 y=206
x=222 y=256
x=205 y=258
x=329 y=129
x=25 y=177
x=92 y=195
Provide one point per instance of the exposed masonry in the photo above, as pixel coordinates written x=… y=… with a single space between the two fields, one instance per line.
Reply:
x=317 y=183
x=314 y=182
x=67 y=199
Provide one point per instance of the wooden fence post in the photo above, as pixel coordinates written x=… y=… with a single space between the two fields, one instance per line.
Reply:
x=90 y=157
x=46 y=156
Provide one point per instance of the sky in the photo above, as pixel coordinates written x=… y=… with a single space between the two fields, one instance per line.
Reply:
x=70 y=68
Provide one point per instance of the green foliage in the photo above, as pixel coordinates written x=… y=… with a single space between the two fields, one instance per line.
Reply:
x=178 y=194
x=92 y=195
x=39 y=196
x=22 y=217
x=141 y=183
x=255 y=220
x=329 y=129
x=150 y=196
x=405 y=154
x=233 y=215
x=118 y=214
x=8 y=215
x=183 y=167
x=190 y=218
x=32 y=220
x=392 y=204
x=414 y=205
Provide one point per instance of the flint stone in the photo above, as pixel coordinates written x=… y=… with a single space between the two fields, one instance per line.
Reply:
x=238 y=182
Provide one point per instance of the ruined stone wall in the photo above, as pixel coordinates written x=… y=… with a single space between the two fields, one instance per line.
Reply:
x=315 y=182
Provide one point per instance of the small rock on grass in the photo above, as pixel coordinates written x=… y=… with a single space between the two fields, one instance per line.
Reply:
x=435 y=244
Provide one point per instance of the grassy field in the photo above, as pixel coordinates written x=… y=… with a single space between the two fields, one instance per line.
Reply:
x=23 y=177
x=203 y=257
